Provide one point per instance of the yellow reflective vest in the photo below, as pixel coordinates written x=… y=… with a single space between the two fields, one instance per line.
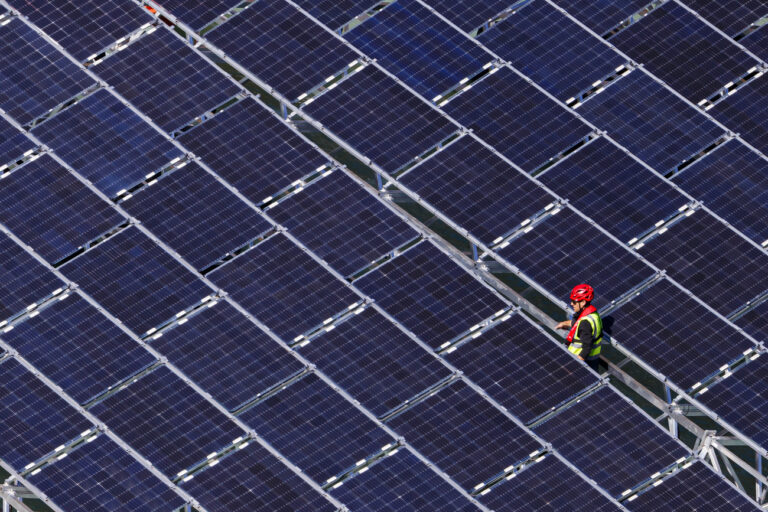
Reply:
x=597 y=334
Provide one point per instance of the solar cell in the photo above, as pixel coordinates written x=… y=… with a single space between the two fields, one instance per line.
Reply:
x=279 y=44
x=33 y=418
x=78 y=348
x=757 y=42
x=730 y=16
x=283 y=287
x=166 y=80
x=53 y=212
x=472 y=14
x=380 y=118
x=34 y=76
x=650 y=121
x=13 y=143
x=342 y=223
x=517 y=119
x=102 y=477
x=739 y=114
x=521 y=368
x=602 y=15
x=755 y=322
x=135 y=280
x=198 y=14
x=106 y=142
x=335 y=13
x=430 y=294
x=167 y=421
x=477 y=189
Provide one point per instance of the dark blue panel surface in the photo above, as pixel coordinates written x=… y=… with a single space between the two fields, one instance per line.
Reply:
x=102 y=477
x=83 y=27
x=106 y=142
x=375 y=362
x=53 y=212
x=744 y=113
x=279 y=44
x=78 y=348
x=757 y=42
x=34 y=76
x=166 y=80
x=430 y=294
x=33 y=419
x=227 y=355
x=196 y=215
x=520 y=121
x=381 y=119
x=650 y=121
x=477 y=189
x=342 y=223
x=196 y=13
x=283 y=287
x=471 y=14
x=522 y=368
x=608 y=185
x=756 y=322
x=335 y=13
x=13 y=143
x=464 y=435
x=167 y=421
x=135 y=280
x=730 y=16
x=602 y=15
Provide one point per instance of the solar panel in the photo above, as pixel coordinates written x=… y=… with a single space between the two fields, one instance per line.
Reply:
x=106 y=142
x=650 y=121
x=755 y=322
x=517 y=119
x=370 y=104
x=739 y=114
x=282 y=46
x=602 y=15
x=430 y=294
x=464 y=435
x=472 y=14
x=13 y=143
x=335 y=13
x=521 y=368
x=34 y=76
x=53 y=212
x=283 y=287
x=196 y=215
x=135 y=280
x=226 y=354
x=198 y=14
x=102 y=477
x=34 y=419
x=547 y=46
x=730 y=16
x=342 y=223
x=757 y=43
x=166 y=80
x=477 y=189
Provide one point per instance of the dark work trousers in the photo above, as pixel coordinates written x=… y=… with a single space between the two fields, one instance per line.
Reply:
x=594 y=364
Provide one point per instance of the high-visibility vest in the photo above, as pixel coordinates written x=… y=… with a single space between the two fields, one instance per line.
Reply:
x=597 y=333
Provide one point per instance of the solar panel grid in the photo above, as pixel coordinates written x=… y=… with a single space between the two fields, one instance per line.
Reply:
x=602 y=15
x=757 y=42
x=335 y=13
x=730 y=16
x=469 y=15
x=755 y=322
x=198 y=14
x=13 y=143
x=743 y=113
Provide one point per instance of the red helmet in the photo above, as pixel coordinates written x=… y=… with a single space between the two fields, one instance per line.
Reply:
x=582 y=292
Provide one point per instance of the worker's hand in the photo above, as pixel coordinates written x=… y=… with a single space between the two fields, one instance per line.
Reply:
x=565 y=324
x=582 y=358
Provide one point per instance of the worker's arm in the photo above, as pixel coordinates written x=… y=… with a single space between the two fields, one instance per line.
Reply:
x=587 y=338
x=565 y=324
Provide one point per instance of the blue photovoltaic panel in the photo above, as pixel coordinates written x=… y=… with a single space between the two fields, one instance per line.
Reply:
x=196 y=13
x=430 y=294
x=464 y=435
x=517 y=119
x=167 y=421
x=401 y=483
x=227 y=355
x=381 y=119
x=420 y=48
x=335 y=13
x=477 y=189
x=33 y=419
x=196 y=215
x=733 y=182
x=106 y=142
x=757 y=42
x=283 y=47
x=501 y=361
x=135 y=280
x=254 y=151
x=610 y=441
x=34 y=76
x=739 y=112
x=53 y=212
x=283 y=287
x=375 y=362
x=685 y=52
x=342 y=223
x=565 y=250
x=606 y=183
x=650 y=121
x=703 y=255
x=472 y=14
x=755 y=322
x=316 y=428
x=78 y=348
x=13 y=143
x=84 y=27
x=730 y=16
x=554 y=51
x=101 y=477
x=253 y=479
x=602 y=15
x=166 y=80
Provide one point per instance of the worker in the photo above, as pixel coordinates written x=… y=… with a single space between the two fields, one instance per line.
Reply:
x=586 y=327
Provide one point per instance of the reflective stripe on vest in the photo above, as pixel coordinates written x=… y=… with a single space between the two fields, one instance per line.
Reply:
x=597 y=333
